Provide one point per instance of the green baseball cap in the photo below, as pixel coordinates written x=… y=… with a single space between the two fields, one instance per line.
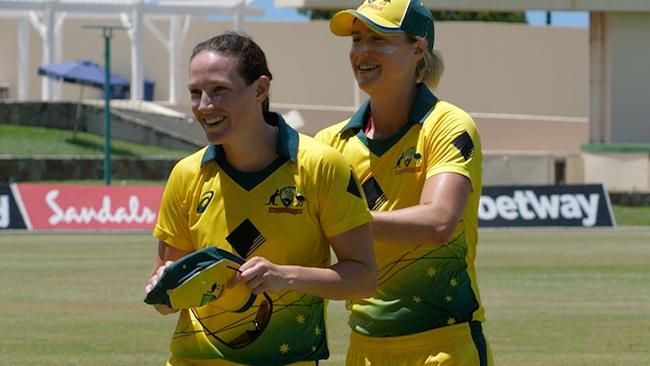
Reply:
x=200 y=278
x=388 y=17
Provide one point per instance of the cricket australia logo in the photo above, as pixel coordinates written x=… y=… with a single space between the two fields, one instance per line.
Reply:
x=290 y=201
x=409 y=162
x=371 y=4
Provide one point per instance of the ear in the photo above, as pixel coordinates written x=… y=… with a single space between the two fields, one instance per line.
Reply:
x=262 y=87
x=420 y=48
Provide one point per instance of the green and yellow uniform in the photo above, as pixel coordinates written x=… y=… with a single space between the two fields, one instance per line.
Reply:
x=284 y=213
x=420 y=288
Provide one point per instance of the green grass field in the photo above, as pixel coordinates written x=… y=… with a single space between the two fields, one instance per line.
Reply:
x=553 y=297
x=29 y=140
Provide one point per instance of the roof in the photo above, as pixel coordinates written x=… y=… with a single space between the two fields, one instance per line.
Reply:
x=496 y=5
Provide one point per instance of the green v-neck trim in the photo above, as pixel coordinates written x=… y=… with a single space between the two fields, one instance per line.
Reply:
x=288 y=141
x=424 y=102
x=379 y=148
x=250 y=180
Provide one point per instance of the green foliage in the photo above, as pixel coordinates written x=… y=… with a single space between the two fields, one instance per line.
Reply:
x=317 y=14
x=29 y=140
x=483 y=16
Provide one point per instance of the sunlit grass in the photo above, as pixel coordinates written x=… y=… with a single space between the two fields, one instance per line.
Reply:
x=40 y=141
x=553 y=297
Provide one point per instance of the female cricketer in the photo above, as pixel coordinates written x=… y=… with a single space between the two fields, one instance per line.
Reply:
x=419 y=161
x=267 y=194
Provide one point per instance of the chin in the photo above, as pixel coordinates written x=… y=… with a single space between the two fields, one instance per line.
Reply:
x=214 y=138
x=367 y=86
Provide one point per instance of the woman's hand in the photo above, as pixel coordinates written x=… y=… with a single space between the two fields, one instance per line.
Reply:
x=260 y=275
x=155 y=277
x=165 y=255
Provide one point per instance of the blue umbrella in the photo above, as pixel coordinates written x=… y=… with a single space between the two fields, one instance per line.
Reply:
x=84 y=72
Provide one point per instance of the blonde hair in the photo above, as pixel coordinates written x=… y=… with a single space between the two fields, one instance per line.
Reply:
x=430 y=69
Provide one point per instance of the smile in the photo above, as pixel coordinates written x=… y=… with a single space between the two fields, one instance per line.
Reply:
x=213 y=121
x=366 y=68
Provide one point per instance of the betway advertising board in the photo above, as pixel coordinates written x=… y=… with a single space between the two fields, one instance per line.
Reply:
x=539 y=206
x=78 y=207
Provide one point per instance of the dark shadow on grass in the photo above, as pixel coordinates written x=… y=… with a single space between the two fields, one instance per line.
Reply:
x=97 y=146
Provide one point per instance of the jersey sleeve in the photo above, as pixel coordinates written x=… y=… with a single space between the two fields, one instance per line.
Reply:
x=341 y=203
x=453 y=145
x=324 y=136
x=172 y=226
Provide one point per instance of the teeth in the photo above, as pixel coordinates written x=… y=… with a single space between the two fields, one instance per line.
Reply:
x=214 y=121
x=367 y=67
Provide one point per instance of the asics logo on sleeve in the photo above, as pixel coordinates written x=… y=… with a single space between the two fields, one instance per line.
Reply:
x=204 y=202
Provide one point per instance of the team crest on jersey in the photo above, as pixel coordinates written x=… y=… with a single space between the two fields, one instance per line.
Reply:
x=408 y=162
x=286 y=200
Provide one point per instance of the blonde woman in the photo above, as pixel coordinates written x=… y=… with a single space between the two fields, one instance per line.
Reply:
x=419 y=161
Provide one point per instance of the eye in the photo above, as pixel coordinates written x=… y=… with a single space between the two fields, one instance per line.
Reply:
x=195 y=93
x=218 y=89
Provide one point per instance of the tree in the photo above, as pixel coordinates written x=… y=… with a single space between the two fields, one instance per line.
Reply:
x=508 y=17
x=315 y=14
x=482 y=16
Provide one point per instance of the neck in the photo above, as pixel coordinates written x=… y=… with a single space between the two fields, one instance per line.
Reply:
x=390 y=111
x=256 y=150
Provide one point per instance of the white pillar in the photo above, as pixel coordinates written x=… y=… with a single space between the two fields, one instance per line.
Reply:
x=24 y=59
x=357 y=94
x=175 y=47
x=47 y=84
x=137 y=69
x=239 y=18
x=59 y=18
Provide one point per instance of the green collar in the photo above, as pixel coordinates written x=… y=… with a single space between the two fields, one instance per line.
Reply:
x=422 y=104
x=287 y=141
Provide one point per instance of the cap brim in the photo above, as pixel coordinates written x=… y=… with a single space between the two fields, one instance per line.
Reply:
x=341 y=23
x=200 y=278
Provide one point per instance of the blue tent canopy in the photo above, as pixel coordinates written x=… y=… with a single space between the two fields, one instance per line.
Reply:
x=84 y=72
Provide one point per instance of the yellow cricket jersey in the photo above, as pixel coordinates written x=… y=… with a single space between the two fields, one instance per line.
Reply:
x=284 y=213
x=420 y=288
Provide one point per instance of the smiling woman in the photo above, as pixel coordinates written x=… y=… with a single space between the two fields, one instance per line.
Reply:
x=275 y=198
x=419 y=160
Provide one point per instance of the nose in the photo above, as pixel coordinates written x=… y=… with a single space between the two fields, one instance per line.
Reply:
x=205 y=102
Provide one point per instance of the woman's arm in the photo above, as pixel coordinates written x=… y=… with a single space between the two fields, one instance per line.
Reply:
x=433 y=220
x=354 y=276
x=166 y=255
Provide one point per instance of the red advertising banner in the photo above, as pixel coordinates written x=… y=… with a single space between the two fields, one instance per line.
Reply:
x=81 y=207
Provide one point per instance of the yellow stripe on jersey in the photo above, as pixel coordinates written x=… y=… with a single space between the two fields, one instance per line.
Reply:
x=284 y=213
x=419 y=288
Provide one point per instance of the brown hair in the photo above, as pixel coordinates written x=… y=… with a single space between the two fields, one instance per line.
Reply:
x=252 y=61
